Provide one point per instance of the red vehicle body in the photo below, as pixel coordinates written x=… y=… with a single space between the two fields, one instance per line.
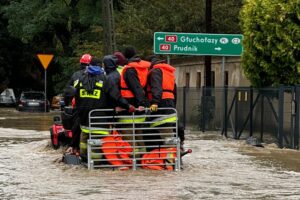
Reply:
x=59 y=135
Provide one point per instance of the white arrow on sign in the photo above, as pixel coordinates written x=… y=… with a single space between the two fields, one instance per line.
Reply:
x=160 y=38
x=218 y=48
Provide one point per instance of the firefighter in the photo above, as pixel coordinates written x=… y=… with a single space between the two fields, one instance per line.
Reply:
x=161 y=92
x=134 y=79
x=84 y=62
x=121 y=60
x=69 y=94
x=113 y=79
x=92 y=93
x=133 y=83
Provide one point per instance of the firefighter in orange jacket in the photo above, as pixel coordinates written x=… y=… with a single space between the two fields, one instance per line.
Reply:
x=161 y=90
x=133 y=83
x=134 y=79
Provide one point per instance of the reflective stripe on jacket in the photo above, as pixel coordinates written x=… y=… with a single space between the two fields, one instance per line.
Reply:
x=132 y=120
x=120 y=69
x=90 y=95
x=168 y=81
x=163 y=120
x=83 y=146
x=94 y=130
x=96 y=92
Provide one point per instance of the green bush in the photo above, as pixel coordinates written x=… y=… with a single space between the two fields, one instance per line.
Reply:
x=271 y=31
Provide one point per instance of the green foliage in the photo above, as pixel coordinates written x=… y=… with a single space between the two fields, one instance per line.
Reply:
x=66 y=29
x=139 y=20
x=38 y=15
x=70 y=28
x=271 y=41
x=225 y=16
x=10 y=51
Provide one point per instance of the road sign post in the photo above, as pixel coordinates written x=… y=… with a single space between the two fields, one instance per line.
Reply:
x=198 y=44
x=45 y=60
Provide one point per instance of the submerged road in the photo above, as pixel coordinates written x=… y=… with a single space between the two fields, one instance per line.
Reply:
x=218 y=168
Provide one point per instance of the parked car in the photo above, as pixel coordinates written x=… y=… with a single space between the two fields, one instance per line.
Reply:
x=33 y=101
x=7 y=98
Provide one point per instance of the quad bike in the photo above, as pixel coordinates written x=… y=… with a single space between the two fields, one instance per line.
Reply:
x=60 y=133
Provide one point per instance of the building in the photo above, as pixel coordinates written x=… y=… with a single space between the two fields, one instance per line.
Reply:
x=190 y=71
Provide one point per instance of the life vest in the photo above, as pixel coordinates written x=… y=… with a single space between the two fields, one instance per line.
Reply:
x=116 y=150
x=142 y=71
x=159 y=159
x=168 y=81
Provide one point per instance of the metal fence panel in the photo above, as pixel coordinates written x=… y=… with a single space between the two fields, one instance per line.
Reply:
x=134 y=141
x=269 y=114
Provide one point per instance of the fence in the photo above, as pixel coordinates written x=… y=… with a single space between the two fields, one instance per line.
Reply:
x=270 y=114
x=148 y=141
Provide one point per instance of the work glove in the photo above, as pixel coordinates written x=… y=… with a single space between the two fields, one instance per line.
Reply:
x=131 y=109
x=153 y=108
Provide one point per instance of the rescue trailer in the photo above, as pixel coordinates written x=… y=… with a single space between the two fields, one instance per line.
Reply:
x=131 y=142
x=146 y=141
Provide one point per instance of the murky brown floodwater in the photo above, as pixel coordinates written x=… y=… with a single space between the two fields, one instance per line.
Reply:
x=217 y=169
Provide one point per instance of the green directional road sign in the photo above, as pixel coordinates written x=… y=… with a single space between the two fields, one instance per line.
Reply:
x=198 y=44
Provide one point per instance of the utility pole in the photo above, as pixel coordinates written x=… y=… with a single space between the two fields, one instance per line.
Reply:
x=109 y=41
x=207 y=59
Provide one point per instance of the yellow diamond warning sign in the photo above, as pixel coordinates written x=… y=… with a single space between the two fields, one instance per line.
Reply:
x=45 y=59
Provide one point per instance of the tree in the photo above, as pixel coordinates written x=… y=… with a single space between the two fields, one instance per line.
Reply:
x=66 y=29
x=271 y=31
x=11 y=63
x=70 y=28
x=137 y=22
x=225 y=16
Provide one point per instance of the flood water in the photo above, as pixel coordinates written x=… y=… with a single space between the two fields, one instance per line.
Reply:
x=218 y=168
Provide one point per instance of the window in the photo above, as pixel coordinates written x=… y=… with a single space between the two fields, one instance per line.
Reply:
x=187 y=79
x=198 y=80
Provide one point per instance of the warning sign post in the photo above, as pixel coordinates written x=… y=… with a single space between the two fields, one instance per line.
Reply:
x=45 y=60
